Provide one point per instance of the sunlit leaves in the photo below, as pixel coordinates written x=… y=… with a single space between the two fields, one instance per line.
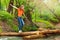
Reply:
x=4 y=4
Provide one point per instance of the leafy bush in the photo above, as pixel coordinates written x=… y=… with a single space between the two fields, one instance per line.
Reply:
x=57 y=10
x=45 y=14
x=5 y=16
x=29 y=28
x=49 y=25
x=55 y=20
x=45 y=24
x=49 y=17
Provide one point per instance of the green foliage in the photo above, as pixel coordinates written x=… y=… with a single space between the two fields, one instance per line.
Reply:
x=19 y=2
x=44 y=15
x=0 y=4
x=48 y=17
x=4 y=4
x=45 y=24
x=29 y=28
x=57 y=10
x=5 y=16
x=13 y=26
x=49 y=25
x=1 y=29
x=22 y=2
x=55 y=20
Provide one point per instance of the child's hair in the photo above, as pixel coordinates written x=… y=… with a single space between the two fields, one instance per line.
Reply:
x=21 y=6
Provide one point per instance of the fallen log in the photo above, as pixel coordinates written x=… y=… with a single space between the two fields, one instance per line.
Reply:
x=44 y=33
x=50 y=31
x=34 y=33
x=33 y=36
x=17 y=34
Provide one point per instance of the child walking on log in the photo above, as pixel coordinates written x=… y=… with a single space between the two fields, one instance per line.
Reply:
x=20 y=13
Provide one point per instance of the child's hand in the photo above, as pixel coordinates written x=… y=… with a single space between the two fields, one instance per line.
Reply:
x=10 y=4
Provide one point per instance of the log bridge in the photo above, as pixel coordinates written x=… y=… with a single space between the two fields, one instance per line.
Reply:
x=32 y=34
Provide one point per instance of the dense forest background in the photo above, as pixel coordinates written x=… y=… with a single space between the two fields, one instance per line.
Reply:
x=39 y=13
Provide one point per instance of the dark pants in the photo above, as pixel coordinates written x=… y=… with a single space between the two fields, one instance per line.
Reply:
x=21 y=23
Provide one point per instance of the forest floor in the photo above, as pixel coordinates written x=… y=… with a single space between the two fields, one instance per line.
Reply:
x=58 y=25
x=5 y=27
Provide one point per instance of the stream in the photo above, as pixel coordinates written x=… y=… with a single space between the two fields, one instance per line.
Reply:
x=19 y=38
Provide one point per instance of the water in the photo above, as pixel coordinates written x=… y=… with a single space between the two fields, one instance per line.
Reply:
x=10 y=38
x=19 y=38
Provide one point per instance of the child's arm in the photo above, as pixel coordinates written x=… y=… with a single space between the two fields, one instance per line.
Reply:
x=13 y=6
x=24 y=16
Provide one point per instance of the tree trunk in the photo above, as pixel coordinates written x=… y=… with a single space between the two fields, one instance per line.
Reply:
x=10 y=9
